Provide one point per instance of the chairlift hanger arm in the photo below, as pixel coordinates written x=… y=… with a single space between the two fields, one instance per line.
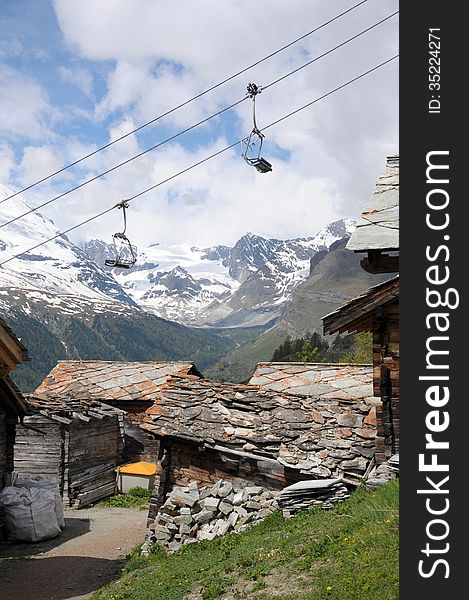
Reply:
x=252 y=91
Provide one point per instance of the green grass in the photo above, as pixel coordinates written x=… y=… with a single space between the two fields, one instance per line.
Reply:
x=350 y=552
x=136 y=497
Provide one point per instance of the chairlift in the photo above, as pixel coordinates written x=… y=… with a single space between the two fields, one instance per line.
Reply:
x=125 y=254
x=253 y=143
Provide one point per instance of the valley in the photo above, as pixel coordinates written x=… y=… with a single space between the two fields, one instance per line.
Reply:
x=223 y=307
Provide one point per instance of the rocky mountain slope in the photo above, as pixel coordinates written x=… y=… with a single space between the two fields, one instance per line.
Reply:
x=245 y=285
x=64 y=303
x=58 y=274
x=335 y=278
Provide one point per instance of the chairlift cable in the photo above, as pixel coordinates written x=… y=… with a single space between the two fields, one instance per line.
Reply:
x=176 y=135
x=185 y=103
x=125 y=162
x=307 y=64
x=102 y=213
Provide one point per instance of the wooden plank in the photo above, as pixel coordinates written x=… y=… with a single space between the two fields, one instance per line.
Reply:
x=11 y=352
x=356 y=311
x=97 y=494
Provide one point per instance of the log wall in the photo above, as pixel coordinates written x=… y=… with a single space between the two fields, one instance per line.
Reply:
x=3 y=464
x=82 y=455
x=95 y=449
x=7 y=441
x=386 y=380
x=208 y=466
x=39 y=453
x=3 y=448
x=139 y=444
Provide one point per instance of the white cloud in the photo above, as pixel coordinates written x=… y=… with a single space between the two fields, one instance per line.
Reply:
x=7 y=162
x=79 y=77
x=24 y=106
x=214 y=204
x=144 y=57
x=37 y=162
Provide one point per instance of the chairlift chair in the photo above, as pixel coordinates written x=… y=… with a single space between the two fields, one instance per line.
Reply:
x=125 y=254
x=256 y=138
x=252 y=157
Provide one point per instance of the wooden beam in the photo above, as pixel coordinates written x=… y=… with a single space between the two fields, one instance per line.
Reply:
x=7 y=359
x=9 y=349
x=4 y=370
x=376 y=263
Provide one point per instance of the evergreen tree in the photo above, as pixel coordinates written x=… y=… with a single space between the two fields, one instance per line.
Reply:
x=310 y=353
x=363 y=349
x=342 y=344
x=287 y=349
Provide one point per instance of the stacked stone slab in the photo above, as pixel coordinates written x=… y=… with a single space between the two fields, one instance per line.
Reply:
x=393 y=463
x=194 y=513
x=316 y=492
x=383 y=473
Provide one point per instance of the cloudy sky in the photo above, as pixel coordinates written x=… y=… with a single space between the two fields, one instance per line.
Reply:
x=76 y=75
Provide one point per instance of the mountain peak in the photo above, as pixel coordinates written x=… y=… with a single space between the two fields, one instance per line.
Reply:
x=333 y=232
x=247 y=283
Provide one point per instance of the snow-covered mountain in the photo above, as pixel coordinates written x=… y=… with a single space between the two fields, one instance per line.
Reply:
x=58 y=274
x=244 y=285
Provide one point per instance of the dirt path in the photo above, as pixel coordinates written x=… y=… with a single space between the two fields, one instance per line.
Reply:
x=88 y=554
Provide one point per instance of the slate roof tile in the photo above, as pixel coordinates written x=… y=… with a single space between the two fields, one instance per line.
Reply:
x=112 y=380
x=317 y=380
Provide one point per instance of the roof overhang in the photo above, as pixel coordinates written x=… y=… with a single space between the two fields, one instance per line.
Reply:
x=11 y=398
x=377 y=230
x=12 y=351
x=377 y=261
x=358 y=315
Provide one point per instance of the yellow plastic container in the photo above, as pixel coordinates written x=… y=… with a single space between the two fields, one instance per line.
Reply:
x=138 y=474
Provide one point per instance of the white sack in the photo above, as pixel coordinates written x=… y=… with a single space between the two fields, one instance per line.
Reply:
x=29 y=514
x=46 y=482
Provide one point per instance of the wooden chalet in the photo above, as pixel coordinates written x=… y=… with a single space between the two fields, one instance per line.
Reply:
x=12 y=404
x=211 y=430
x=80 y=442
x=377 y=310
x=129 y=386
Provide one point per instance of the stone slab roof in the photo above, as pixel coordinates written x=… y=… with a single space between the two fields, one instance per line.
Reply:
x=66 y=410
x=111 y=380
x=332 y=434
x=318 y=380
x=378 y=227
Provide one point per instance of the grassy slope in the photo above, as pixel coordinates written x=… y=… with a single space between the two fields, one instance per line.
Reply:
x=350 y=552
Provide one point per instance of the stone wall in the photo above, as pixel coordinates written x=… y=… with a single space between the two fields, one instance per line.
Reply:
x=182 y=462
x=194 y=513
